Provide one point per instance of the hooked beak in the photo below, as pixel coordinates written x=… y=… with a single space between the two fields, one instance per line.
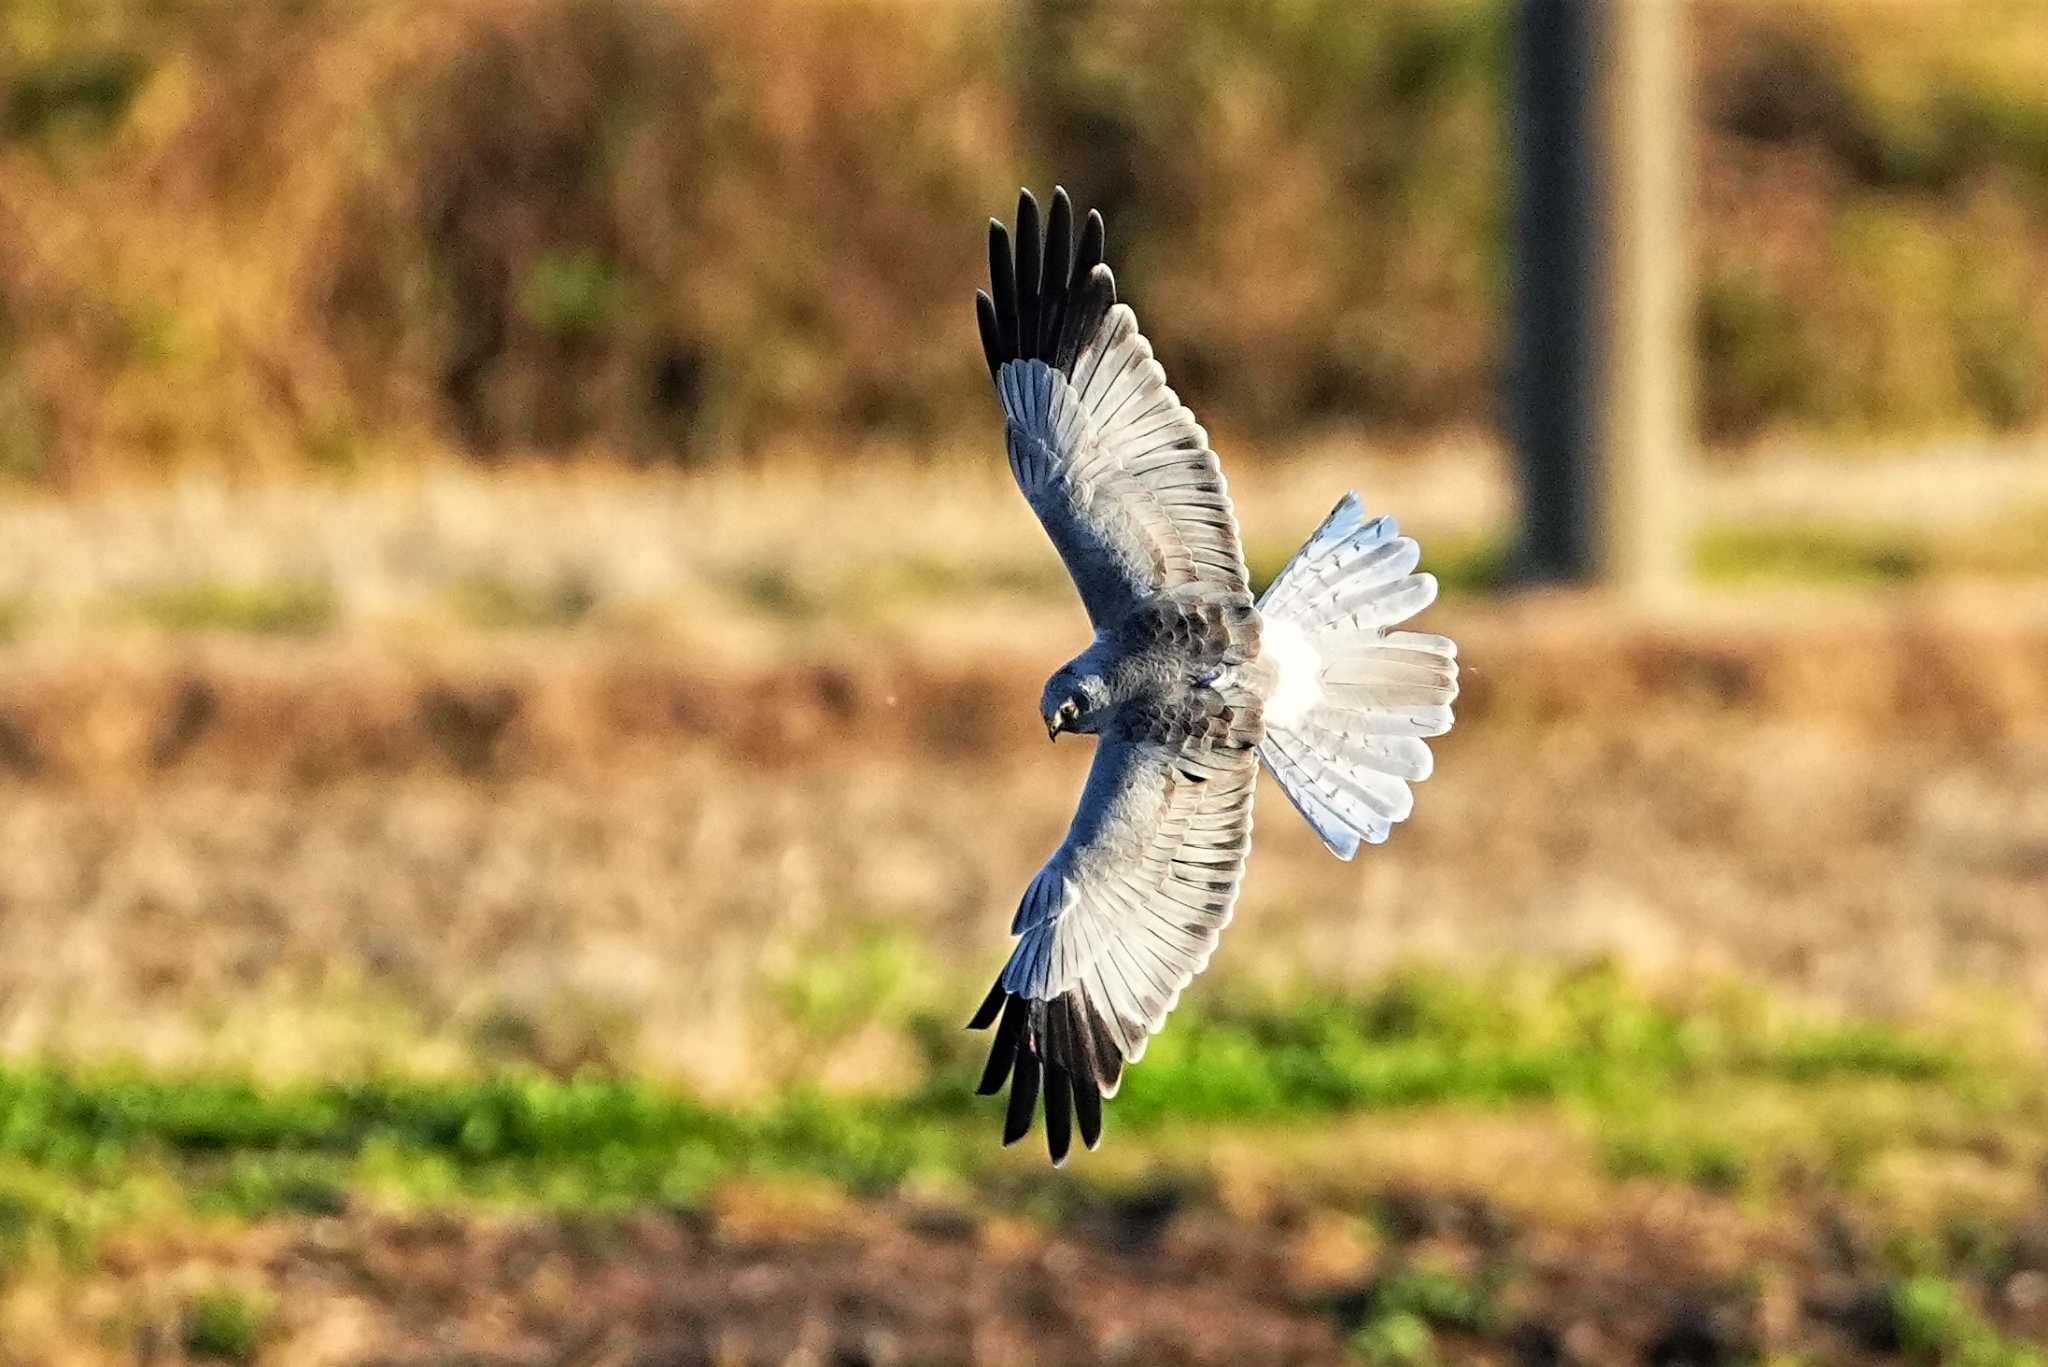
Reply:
x=1052 y=728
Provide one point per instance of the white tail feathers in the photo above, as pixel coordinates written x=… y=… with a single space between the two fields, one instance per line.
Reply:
x=1353 y=699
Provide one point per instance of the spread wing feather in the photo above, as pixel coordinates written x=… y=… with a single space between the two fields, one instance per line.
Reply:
x=1121 y=918
x=1116 y=467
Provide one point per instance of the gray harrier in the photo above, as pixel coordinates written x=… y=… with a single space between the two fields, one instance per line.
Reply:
x=1189 y=683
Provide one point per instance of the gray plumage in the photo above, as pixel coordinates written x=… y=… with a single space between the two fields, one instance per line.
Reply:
x=1189 y=685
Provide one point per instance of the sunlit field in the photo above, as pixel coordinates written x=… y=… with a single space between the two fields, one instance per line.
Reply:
x=534 y=917
x=520 y=658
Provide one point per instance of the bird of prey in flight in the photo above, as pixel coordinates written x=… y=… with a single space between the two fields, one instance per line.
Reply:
x=1188 y=686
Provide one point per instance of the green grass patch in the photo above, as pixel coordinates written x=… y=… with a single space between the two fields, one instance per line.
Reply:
x=1937 y=1322
x=87 y=91
x=224 y=1326
x=1471 y=564
x=1405 y=1310
x=1711 y=1162
x=1428 y=1039
x=1812 y=555
x=574 y=293
x=85 y=1149
x=1438 y=1296
x=775 y=592
x=1396 y=1339
x=499 y=605
x=240 y=1149
x=281 y=608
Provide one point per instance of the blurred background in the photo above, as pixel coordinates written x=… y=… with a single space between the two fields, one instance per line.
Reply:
x=518 y=653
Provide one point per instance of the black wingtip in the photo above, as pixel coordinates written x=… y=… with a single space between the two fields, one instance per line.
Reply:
x=1059 y=1113
x=1083 y=1066
x=1059 y=268
x=1039 y=277
x=1002 y=279
x=1057 y=1056
x=1030 y=264
x=1093 y=246
x=1023 y=1098
x=985 y=1014
x=1088 y=1112
x=1059 y=240
x=991 y=332
x=1002 y=1052
x=1092 y=297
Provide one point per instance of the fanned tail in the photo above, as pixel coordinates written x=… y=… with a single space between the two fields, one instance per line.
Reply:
x=1354 y=699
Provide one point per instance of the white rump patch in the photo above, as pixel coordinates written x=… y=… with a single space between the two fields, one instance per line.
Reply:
x=1297 y=670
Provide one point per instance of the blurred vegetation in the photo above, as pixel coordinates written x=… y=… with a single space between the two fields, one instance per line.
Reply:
x=1407 y=1307
x=80 y=1148
x=324 y=231
x=260 y=608
x=1817 y=555
x=224 y=1326
x=88 y=1153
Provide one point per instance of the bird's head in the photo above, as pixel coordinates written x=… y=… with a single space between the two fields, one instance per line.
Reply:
x=1065 y=705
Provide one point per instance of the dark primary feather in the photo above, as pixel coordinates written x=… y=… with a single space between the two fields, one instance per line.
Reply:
x=1023 y=1097
x=991 y=332
x=1059 y=1051
x=1059 y=267
x=1092 y=253
x=1002 y=278
x=986 y=1015
x=1059 y=1112
x=1088 y=1110
x=1002 y=1055
x=1043 y=300
x=1030 y=258
x=1148 y=922
x=1088 y=301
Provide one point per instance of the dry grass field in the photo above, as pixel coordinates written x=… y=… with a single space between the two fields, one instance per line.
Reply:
x=528 y=920
x=612 y=850
x=518 y=667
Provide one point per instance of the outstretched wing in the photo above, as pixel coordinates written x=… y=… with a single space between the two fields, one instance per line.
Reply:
x=1116 y=467
x=1120 y=919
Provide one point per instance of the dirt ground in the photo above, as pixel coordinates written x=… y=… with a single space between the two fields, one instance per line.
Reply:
x=1156 y=1275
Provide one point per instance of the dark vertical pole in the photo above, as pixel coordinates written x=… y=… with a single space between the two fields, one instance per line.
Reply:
x=1554 y=361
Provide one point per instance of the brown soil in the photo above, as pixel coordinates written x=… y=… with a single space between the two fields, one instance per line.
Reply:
x=1151 y=1278
x=1970 y=671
